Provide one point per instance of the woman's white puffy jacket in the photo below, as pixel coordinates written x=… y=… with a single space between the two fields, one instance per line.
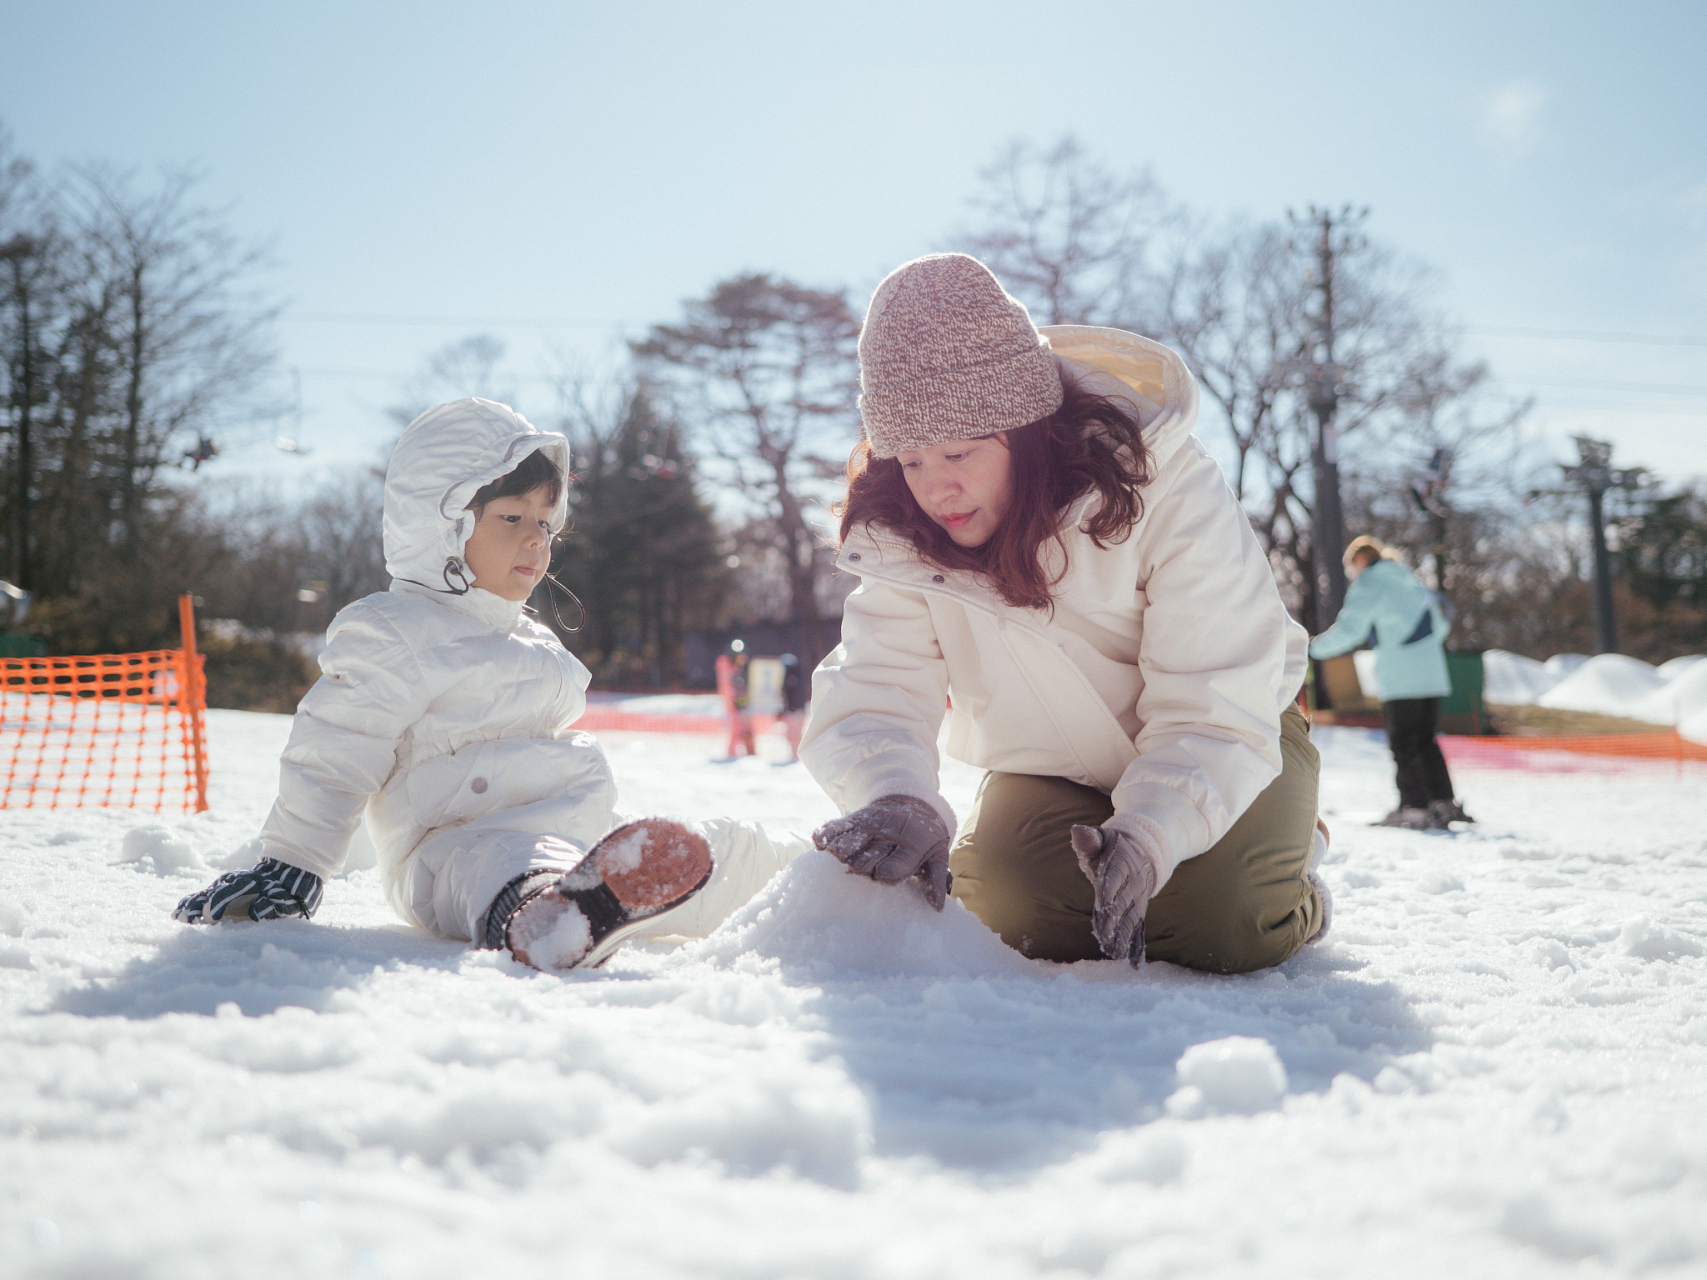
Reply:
x=441 y=709
x=1159 y=678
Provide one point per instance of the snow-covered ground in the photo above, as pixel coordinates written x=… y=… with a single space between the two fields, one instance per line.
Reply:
x=1496 y=1066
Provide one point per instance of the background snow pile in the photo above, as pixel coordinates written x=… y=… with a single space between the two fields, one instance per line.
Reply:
x=1609 y=684
x=1496 y=1065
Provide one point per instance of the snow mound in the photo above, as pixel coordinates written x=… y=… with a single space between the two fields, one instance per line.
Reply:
x=1695 y=727
x=1561 y=665
x=1514 y=680
x=1608 y=684
x=159 y=847
x=816 y=921
x=1677 y=666
x=1239 y=1075
x=1681 y=698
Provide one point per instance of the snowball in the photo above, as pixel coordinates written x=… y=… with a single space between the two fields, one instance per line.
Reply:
x=1238 y=1075
x=161 y=846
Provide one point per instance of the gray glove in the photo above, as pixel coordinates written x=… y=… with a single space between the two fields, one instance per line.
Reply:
x=1125 y=880
x=270 y=890
x=892 y=839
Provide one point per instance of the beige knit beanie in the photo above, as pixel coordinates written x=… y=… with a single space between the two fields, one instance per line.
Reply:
x=946 y=354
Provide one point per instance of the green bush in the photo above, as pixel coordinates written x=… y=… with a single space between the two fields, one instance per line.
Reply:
x=253 y=674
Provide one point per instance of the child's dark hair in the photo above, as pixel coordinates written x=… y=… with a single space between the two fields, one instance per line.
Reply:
x=535 y=472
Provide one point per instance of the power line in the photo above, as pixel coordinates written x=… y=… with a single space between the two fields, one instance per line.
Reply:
x=393 y=375
x=1698 y=409
x=1586 y=335
x=1597 y=384
x=582 y=322
x=511 y=322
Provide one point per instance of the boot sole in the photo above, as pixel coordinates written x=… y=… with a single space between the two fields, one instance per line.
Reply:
x=631 y=877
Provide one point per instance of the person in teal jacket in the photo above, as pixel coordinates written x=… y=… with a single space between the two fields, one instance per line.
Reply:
x=1388 y=608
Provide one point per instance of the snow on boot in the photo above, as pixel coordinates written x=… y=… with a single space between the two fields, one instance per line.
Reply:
x=1318 y=850
x=1321 y=888
x=632 y=876
x=1448 y=811
x=1412 y=820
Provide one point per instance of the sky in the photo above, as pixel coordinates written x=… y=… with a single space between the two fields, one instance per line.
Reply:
x=560 y=176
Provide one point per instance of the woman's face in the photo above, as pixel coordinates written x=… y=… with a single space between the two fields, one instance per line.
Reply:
x=965 y=486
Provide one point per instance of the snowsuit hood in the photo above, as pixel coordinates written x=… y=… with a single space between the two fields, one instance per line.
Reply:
x=440 y=462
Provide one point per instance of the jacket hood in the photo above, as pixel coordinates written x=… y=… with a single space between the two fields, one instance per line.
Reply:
x=1145 y=374
x=440 y=462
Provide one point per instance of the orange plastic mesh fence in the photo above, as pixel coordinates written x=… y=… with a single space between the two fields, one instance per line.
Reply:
x=120 y=729
x=1581 y=753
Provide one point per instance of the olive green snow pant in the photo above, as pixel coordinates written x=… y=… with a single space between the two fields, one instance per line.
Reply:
x=1242 y=905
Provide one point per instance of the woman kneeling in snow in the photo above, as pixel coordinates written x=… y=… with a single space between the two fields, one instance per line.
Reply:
x=1041 y=541
x=444 y=713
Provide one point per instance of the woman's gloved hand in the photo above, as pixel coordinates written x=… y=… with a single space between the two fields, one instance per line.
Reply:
x=270 y=890
x=892 y=839
x=1125 y=880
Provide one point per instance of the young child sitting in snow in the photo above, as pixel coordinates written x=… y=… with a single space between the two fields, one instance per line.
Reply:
x=443 y=713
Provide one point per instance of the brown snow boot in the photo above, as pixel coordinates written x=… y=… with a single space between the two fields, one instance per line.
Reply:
x=631 y=877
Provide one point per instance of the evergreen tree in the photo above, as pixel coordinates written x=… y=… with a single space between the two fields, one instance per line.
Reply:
x=642 y=551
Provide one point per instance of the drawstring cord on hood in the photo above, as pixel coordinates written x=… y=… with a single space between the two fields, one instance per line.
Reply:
x=453 y=565
x=558 y=613
x=462 y=586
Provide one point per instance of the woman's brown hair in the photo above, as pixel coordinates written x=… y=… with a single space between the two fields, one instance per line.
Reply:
x=1090 y=442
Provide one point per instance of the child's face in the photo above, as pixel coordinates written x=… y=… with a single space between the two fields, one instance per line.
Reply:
x=510 y=547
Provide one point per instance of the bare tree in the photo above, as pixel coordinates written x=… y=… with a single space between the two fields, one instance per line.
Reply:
x=1235 y=308
x=1080 y=243
x=1069 y=237
x=187 y=337
x=766 y=372
x=343 y=549
x=470 y=366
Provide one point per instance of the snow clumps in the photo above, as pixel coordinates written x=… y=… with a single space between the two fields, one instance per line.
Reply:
x=159 y=848
x=1240 y=1075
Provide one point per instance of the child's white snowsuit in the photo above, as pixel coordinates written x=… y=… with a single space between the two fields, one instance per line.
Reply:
x=444 y=713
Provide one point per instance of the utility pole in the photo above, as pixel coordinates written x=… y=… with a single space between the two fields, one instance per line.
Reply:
x=1322 y=377
x=1595 y=476
x=16 y=251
